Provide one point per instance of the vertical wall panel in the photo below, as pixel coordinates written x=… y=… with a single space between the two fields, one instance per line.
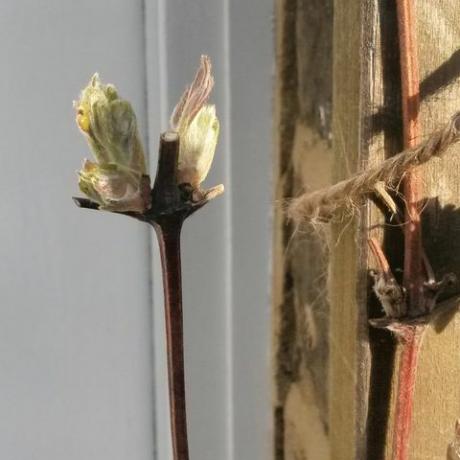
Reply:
x=250 y=80
x=75 y=352
x=191 y=29
x=226 y=245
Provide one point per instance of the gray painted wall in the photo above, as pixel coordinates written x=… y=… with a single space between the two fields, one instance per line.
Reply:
x=81 y=301
x=75 y=340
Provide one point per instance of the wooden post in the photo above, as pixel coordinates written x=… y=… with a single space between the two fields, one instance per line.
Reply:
x=338 y=109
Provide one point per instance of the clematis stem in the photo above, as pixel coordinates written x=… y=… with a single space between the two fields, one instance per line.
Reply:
x=168 y=234
x=411 y=337
x=168 y=215
x=170 y=205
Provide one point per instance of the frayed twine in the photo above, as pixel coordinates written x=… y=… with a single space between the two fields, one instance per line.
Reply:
x=350 y=193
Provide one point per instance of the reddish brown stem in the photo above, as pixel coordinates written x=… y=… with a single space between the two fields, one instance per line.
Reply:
x=410 y=84
x=410 y=338
x=382 y=261
x=168 y=233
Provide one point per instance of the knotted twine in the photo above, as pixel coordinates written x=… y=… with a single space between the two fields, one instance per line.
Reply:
x=322 y=204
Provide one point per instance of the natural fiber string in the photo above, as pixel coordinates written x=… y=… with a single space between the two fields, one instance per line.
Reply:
x=347 y=194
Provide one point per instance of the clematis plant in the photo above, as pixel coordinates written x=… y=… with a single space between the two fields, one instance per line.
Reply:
x=198 y=128
x=117 y=181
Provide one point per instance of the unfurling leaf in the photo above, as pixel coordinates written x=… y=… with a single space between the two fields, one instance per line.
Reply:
x=117 y=178
x=197 y=126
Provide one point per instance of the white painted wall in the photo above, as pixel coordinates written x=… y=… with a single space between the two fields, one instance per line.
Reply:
x=78 y=377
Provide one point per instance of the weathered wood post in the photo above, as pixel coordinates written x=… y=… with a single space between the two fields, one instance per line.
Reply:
x=338 y=108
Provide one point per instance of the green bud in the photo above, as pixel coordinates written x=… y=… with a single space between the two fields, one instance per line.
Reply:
x=114 y=187
x=115 y=181
x=198 y=143
x=198 y=127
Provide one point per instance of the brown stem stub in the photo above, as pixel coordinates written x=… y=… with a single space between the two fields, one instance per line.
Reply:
x=165 y=192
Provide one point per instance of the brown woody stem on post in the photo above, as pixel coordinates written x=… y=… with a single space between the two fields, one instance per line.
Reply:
x=410 y=83
x=410 y=336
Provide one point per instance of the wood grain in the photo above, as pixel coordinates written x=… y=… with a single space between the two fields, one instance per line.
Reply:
x=303 y=118
x=285 y=113
x=327 y=292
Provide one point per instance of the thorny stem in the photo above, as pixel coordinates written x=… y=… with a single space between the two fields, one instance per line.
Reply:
x=411 y=337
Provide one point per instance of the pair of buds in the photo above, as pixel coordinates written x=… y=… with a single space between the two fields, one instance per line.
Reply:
x=118 y=179
x=392 y=295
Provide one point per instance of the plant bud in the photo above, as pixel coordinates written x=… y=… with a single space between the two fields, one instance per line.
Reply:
x=114 y=187
x=116 y=180
x=197 y=146
x=198 y=128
